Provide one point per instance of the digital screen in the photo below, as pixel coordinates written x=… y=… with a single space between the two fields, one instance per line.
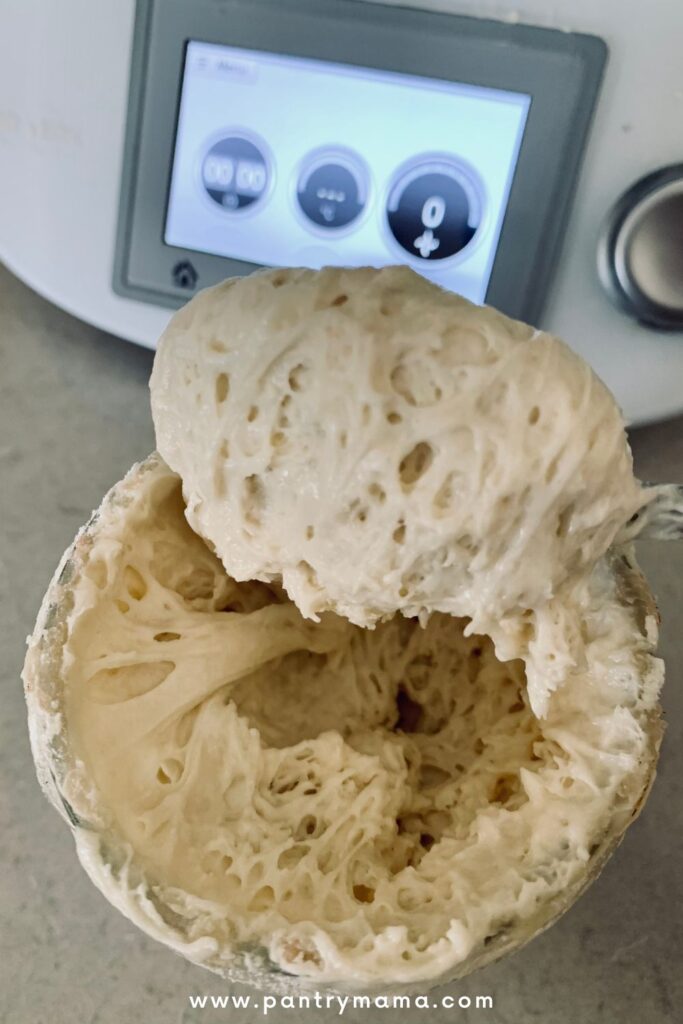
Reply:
x=284 y=160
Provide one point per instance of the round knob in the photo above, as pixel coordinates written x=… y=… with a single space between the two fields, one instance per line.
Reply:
x=640 y=252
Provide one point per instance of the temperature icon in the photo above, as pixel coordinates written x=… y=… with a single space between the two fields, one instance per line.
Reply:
x=332 y=189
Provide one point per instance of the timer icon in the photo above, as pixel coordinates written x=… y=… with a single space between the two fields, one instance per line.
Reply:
x=235 y=173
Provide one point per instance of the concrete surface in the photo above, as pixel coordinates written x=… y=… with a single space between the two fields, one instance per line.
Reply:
x=74 y=415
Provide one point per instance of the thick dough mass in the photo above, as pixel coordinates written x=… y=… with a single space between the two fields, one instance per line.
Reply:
x=380 y=444
x=369 y=805
x=386 y=704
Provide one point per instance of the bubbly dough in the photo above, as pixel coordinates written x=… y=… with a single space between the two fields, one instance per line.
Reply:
x=379 y=444
x=370 y=806
x=385 y=703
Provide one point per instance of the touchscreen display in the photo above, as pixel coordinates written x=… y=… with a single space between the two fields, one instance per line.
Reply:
x=283 y=160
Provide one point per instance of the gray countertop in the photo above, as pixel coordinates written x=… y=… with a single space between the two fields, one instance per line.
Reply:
x=74 y=415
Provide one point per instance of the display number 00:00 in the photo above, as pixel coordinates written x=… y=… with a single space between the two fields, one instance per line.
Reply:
x=248 y=176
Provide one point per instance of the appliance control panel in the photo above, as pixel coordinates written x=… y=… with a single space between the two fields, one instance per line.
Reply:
x=286 y=160
x=265 y=133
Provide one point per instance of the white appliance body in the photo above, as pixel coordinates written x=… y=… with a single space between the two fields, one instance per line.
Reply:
x=64 y=72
